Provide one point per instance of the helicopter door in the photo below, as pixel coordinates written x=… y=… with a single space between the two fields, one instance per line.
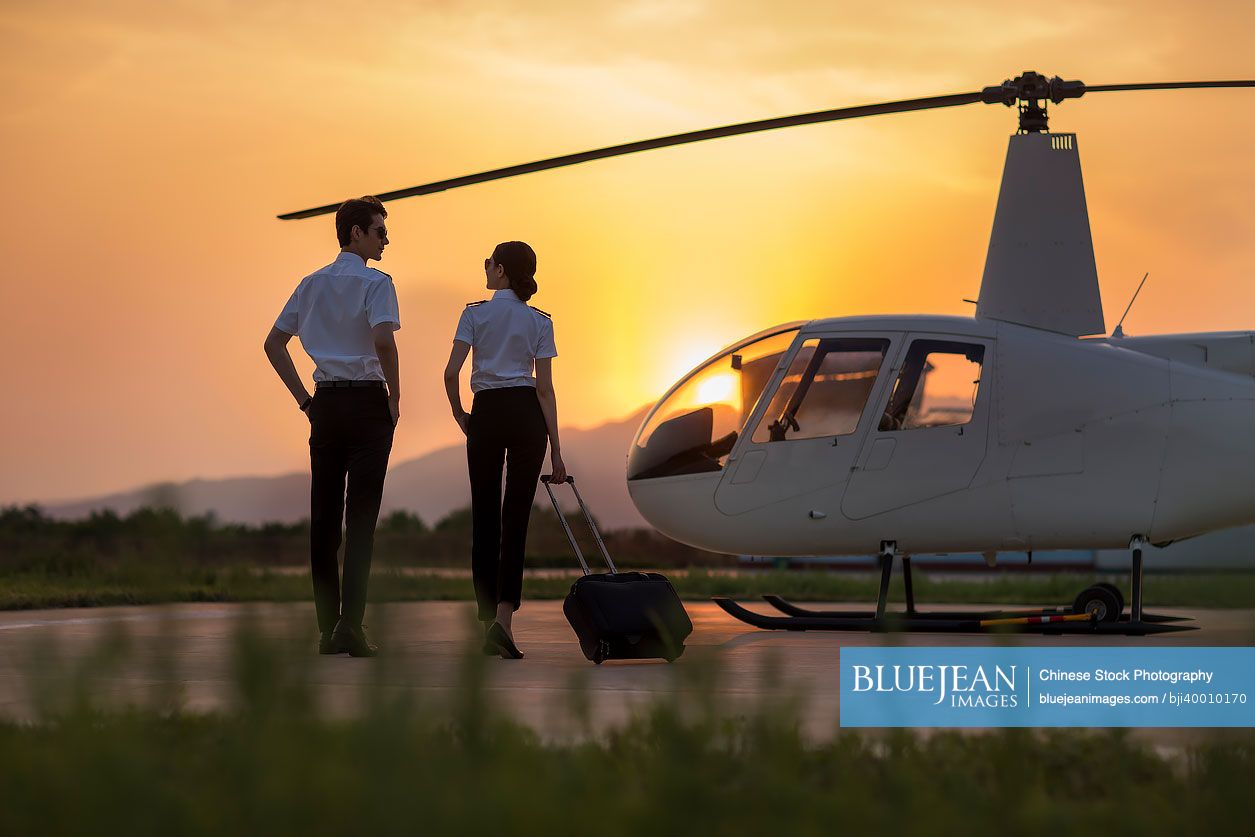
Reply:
x=930 y=438
x=806 y=426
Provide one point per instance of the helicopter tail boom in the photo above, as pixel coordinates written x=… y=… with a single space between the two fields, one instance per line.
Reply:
x=1223 y=351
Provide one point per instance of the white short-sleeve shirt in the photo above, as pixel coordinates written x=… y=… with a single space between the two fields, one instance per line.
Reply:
x=333 y=311
x=506 y=336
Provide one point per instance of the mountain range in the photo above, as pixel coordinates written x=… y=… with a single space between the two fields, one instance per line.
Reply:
x=430 y=486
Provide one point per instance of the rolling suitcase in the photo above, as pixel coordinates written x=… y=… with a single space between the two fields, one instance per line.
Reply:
x=621 y=616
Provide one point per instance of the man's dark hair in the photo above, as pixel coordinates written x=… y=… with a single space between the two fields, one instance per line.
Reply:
x=357 y=212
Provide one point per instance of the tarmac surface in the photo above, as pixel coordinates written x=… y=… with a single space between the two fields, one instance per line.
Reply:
x=186 y=656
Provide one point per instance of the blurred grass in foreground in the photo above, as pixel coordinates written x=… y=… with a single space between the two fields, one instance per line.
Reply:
x=271 y=765
x=132 y=583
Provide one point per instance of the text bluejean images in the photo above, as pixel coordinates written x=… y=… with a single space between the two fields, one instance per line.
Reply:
x=1047 y=687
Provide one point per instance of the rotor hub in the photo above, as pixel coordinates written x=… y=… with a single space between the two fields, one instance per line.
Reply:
x=1030 y=92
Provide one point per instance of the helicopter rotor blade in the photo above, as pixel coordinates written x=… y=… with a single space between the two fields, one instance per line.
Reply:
x=1030 y=87
x=1167 y=85
x=661 y=142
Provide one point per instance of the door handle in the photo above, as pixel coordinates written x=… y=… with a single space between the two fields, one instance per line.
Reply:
x=817 y=515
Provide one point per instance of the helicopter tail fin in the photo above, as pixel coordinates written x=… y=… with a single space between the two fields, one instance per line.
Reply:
x=1040 y=271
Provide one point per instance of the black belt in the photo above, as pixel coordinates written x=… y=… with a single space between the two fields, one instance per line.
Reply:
x=369 y=383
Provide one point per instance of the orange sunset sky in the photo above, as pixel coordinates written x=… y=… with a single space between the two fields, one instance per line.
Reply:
x=147 y=146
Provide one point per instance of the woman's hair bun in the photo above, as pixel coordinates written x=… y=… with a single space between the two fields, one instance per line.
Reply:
x=519 y=262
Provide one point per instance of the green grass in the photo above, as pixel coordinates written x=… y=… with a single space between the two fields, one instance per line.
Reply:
x=271 y=765
x=127 y=584
x=392 y=774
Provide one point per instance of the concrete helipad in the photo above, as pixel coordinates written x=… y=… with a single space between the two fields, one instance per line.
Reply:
x=185 y=655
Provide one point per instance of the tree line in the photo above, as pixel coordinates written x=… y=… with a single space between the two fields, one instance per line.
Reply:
x=30 y=540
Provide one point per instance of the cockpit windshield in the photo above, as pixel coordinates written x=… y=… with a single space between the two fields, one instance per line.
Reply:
x=694 y=428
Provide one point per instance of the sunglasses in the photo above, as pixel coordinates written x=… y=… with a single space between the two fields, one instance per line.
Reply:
x=381 y=232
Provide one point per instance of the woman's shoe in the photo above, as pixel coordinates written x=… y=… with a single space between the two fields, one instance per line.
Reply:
x=501 y=643
x=489 y=647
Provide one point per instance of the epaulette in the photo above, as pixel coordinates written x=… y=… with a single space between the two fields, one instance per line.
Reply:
x=473 y=304
x=381 y=273
x=538 y=311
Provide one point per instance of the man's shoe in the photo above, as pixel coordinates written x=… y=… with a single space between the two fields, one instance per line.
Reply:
x=501 y=643
x=327 y=643
x=352 y=638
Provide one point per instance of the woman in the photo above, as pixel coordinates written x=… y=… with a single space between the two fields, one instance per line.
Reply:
x=512 y=416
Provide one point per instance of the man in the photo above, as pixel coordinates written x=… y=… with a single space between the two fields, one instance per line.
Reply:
x=345 y=314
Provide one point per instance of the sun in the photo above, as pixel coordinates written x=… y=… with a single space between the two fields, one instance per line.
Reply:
x=718 y=388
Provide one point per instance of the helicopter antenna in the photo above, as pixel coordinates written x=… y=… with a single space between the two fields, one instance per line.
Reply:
x=1119 y=332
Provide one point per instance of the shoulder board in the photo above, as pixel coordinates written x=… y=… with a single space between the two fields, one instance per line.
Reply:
x=538 y=311
x=380 y=272
x=473 y=304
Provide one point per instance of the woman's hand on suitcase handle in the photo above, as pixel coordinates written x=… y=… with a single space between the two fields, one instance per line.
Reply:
x=559 y=469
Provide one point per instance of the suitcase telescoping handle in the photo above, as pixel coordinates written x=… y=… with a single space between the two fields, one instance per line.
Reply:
x=547 y=480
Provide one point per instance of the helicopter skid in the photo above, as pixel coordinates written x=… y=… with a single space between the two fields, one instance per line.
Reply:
x=956 y=622
x=787 y=607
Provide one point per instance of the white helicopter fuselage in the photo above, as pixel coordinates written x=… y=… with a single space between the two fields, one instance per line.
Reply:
x=1060 y=442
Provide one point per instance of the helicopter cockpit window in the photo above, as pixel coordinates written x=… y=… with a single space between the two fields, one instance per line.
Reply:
x=936 y=387
x=824 y=390
x=694 y=428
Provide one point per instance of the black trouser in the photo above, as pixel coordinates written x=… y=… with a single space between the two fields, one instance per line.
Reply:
x=350 y=436
x=505 y=424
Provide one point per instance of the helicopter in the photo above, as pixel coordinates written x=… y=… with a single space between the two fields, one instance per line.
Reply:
x=1021 y=428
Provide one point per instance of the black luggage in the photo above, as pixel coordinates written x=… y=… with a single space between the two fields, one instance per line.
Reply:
x=621 y=616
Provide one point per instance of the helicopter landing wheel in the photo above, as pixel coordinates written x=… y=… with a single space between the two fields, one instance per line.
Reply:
x=1100 y=602
x=1115 y=590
